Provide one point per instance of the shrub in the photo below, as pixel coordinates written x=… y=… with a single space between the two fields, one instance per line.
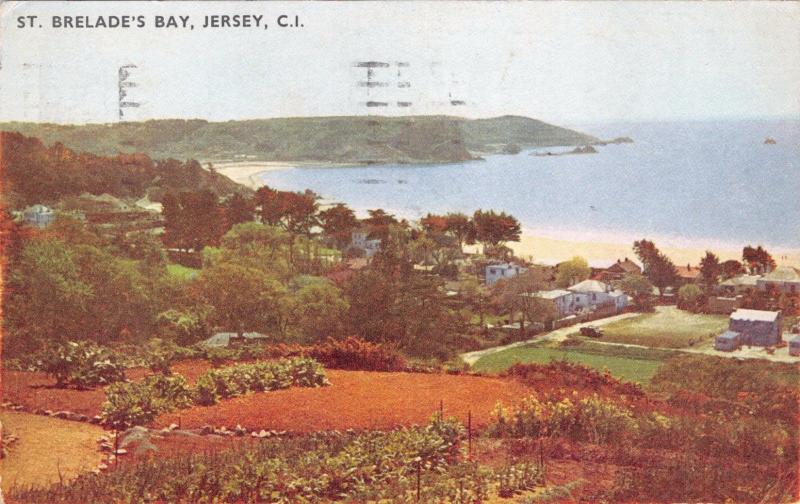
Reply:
x=343 y=467
x=572 y=375
x=602 y=421
x=259 y=377
x=349 y=353
x=591 y=419
x=138 y=403
x=82 y=364
x=205 y=391
x=690 y=297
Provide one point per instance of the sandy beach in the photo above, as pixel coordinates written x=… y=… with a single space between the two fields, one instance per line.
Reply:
x=533 y=246
x=599 y=254
x=246 y=172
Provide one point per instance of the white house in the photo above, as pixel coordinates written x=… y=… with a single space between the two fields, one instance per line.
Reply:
x=495 y=272
x=561 y=300
x=38 y=215
x=586 y=296
x=360 y=239
x=591 y=294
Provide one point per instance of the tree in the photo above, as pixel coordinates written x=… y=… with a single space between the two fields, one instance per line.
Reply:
x=390 y=302
x=238 y=209
x=185 y=327
x=710 y=270
x=461 y=228
x=379 y=222
x=269 y=204
x=57 y=292
x=71 y=231
x=758 y=260
x=517 y=294
x=243 y=299
x=475 y=295
x=122 y=302
x=300 y=212
x=254 y=245
x=47 y=297
x=689 y=297
x=573 y=271
x=495 y=229
x=338 y=222
x=731 y=268
x=143 y=246
x=434 y=223
x=658 y=268
x=639 y=288
x=319 y=310
x=192 y=220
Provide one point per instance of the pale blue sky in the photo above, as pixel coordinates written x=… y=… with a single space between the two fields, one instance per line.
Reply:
x=561 y=62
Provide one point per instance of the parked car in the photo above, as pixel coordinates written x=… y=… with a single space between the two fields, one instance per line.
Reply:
x=591 y=332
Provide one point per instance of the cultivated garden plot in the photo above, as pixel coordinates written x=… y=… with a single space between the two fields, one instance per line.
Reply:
x=357 y=399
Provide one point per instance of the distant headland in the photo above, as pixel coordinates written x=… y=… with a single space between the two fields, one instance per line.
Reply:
x=348 y=139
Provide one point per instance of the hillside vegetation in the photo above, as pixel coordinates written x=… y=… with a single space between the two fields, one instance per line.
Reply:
x=35 y=173
x=423 y=139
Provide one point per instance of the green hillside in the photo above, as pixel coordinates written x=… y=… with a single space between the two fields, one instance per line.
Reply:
x=360 y=139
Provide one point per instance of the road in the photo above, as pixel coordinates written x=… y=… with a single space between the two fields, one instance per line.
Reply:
x=780 y=355
x=557 y=335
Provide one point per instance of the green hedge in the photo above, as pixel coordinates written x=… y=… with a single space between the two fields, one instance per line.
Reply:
x=137 y=403
x=259 y=377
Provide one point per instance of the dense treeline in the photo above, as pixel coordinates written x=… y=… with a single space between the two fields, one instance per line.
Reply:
x=35 y=173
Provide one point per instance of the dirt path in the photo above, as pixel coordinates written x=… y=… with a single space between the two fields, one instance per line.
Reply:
x=360 y=400
x=47 y=446
x=557 y=335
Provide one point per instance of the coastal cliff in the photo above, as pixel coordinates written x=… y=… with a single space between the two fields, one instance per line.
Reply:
x=357 y=139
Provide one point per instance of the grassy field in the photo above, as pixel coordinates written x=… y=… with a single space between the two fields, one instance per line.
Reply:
x=636 y=365
x=182 y=272
x=667 y=328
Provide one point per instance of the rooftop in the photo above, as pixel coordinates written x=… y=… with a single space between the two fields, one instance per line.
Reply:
x=783 y=274
x=588 y=286
x=551 y=294
x=755 y=315
x=729 y=335
x=504 y=266
x=627 y=266
x=689 y=272
x=222 y=339
x=38 y=208
x=741 y=280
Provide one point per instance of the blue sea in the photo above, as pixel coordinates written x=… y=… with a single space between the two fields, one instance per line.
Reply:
x=708 y=184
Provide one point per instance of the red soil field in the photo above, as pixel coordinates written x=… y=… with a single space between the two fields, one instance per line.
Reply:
x=360 y=400
x=355 y=399
x=35 y=390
